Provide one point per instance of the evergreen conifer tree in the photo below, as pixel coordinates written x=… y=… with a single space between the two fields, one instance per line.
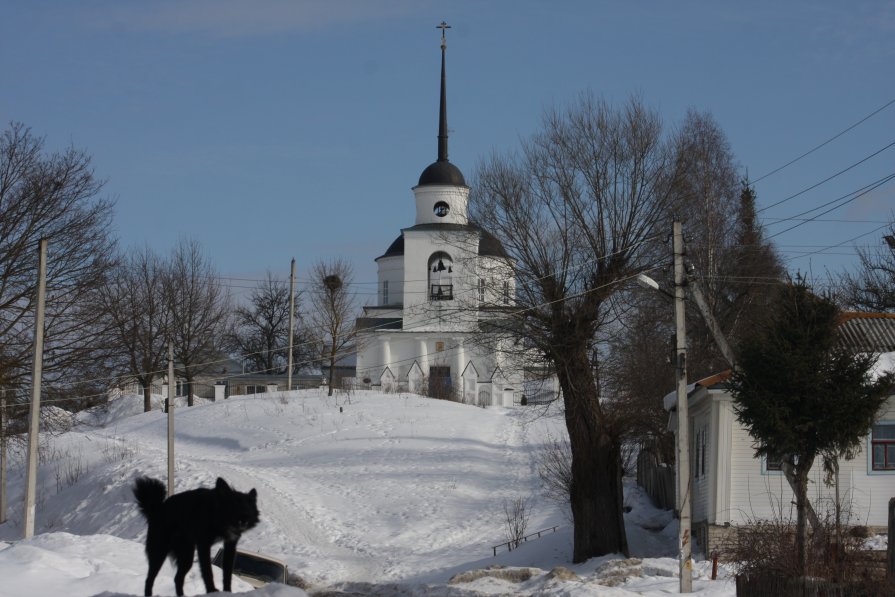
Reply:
x=801 y=396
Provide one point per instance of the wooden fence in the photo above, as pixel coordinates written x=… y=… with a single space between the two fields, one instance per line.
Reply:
x=656 y=479
x=774 y=586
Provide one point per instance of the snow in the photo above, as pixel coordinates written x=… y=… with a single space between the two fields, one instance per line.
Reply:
x=366 y=493
x=669 y=400
x=885 y=363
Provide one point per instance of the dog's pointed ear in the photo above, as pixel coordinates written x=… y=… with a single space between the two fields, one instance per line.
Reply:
x=253 y=494
x=221 y=485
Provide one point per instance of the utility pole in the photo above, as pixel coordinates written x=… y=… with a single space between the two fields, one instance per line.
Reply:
x=2 y=455
x=37 y=373
x=291 y=323
x=172 y=384
x=683 y=431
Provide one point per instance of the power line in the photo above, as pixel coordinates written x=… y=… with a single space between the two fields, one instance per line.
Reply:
x=828 y=179
x=839 y=202
x=830 y=140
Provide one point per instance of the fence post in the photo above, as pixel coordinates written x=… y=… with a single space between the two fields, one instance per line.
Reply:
x=890 y=570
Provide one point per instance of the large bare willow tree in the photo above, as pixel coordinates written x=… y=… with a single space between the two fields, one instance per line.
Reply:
x=580 y=209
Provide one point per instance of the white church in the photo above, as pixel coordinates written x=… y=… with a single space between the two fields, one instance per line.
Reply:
x=438 y=283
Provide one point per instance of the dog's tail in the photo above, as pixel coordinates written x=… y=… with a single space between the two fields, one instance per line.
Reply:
x=150 y=494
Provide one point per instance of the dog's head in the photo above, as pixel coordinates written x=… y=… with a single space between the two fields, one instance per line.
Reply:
x=242 y=507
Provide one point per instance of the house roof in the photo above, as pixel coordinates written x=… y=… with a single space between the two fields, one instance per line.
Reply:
x=867 y=332
x=859 y=332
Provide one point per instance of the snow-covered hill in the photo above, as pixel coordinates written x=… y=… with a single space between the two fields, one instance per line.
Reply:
x=397 y=491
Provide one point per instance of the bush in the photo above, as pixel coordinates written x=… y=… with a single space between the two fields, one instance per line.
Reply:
x=764 y=551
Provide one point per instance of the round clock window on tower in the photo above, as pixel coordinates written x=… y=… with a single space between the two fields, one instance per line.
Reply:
x=441 y=209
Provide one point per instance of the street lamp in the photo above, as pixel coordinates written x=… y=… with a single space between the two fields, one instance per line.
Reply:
x=685 y=565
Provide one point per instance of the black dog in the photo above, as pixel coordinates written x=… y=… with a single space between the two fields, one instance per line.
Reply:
x=193 y=519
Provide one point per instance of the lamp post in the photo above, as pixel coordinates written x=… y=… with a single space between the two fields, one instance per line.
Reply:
x=685 y=566
x=683 y=428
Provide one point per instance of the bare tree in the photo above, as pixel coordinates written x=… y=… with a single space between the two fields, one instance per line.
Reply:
x=199 y=309
x=260 y=333
x=333 y=311
x=729 y=259
x=579 y=211
x=872 y=287
x=52 y=196
x=134 y=301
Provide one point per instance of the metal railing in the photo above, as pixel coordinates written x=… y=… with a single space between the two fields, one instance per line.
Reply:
x=441 y=292
x=511 y=545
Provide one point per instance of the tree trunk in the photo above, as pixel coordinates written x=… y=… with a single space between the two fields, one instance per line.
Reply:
x=790 y=476
x=189 y=387
x=596 y=488
x=332 y=371
x=147 y=395
x=802 y=505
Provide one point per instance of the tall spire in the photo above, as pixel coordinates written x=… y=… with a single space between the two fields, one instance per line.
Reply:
x=442 y=108
x=441 y=171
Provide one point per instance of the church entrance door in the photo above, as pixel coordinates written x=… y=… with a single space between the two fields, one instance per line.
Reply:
x=440 y=382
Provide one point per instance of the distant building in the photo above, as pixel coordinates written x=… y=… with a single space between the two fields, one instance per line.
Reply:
x=438 y=282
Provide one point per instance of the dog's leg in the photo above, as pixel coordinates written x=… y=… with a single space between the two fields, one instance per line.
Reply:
x=229 y=559
x=155 y=564
x=204 y=550
x=184 y=557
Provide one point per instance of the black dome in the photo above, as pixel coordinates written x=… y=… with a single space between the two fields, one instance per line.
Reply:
x=489 y=245
x=394 y=249
x=442 y=172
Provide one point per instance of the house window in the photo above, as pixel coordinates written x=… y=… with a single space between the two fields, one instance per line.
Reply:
x=699 y=450
x=385 y=292
x=773 y=463
x=696 y=454
x=506 y=292
x=882 y=447
x=439 y=347
x=481 y=290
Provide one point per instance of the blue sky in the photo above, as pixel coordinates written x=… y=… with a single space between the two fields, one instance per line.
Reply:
x=274 y=129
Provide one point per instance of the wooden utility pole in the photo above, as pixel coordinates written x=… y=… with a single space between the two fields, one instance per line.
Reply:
x=890 y=561
x=683 y=424
x=37 y=373
x=3 y=418
x=172 y=385
x=291 y=323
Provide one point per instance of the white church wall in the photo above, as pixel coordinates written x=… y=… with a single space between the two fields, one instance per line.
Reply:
x=498 y=286
x=421 y=313
x=391 y=278
x=428 y=196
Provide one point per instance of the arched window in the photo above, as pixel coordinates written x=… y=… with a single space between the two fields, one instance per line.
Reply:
x=441 y=272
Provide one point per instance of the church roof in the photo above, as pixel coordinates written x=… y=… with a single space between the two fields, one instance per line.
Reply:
x=489 y=245
x=442 y=172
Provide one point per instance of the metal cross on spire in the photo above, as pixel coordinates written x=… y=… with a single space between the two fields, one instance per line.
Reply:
x=444 y=26
x=442 y=108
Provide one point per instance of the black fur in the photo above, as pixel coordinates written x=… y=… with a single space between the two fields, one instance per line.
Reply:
x=192 y=520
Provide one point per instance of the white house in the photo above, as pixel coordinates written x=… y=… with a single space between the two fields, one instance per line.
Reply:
x=730 y=486
x=438 y=281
